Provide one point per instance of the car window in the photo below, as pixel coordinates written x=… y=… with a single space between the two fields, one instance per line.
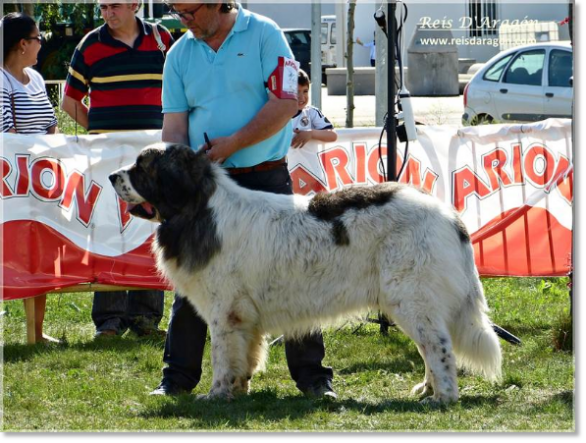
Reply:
x=526 y=69
x=560 y=68
x=324 y=33
x=495 y=71
x=297 y=38
x=333 y=34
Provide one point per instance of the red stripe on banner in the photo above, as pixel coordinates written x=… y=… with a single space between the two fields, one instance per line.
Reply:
x=126 y=97
x=528 y=250
x=43 y=260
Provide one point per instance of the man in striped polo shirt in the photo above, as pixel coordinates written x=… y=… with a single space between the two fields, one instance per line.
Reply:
x=120 y=67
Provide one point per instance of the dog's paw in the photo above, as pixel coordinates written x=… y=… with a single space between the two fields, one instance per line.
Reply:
x=241 y=386
x=436 y=401
x=422 y=389
x=217 y=395
x=431 y=402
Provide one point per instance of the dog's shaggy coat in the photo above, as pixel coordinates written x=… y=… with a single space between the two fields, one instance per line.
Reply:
x=253 y=262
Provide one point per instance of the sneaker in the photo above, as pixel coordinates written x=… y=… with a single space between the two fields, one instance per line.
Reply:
x=169 y=388
x=322 y=389
x=47 y=339
x=105 y=333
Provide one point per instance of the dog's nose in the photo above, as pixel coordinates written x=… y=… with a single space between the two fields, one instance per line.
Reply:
x=113 y=178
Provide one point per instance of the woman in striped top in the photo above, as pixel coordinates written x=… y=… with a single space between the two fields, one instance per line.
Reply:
x=25 y=106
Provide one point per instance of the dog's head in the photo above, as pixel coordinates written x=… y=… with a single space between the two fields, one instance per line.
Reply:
x=165 y=180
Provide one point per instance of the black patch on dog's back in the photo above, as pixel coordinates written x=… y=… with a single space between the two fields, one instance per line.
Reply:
x=329 y=207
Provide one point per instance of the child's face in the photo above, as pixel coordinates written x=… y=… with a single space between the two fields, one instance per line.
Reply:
x=302 y=96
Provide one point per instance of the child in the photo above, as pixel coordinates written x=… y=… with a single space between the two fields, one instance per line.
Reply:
x=309 y=123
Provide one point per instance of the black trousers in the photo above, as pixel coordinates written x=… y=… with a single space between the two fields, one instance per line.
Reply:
x=186 y=335
x=119 y=310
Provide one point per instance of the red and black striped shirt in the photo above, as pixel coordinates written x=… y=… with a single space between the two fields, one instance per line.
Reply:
x=123 y=83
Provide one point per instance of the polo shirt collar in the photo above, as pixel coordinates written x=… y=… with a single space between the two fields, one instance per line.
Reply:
x=242 y=19
x=241 y=24
x=105 y=37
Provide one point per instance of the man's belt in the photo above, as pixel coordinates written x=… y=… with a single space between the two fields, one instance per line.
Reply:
x=264 y=166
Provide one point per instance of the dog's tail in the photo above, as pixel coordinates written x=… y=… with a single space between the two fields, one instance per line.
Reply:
x=476 y=345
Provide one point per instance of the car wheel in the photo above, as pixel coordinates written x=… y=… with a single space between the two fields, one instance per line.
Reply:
x=482 y=119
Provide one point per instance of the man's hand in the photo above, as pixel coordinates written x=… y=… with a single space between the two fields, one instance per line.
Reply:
x=222 y=148
x=300 y=138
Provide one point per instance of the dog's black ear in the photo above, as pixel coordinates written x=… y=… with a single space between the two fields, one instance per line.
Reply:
x=185 y=177
x=201 y=170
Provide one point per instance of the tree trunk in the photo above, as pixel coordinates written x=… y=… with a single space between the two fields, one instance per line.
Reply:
x=350 y=66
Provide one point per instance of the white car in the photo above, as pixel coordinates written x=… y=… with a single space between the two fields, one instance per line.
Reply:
x=527 y=83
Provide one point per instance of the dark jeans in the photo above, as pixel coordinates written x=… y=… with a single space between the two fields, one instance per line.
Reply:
x=120 y=310
x=187 y=332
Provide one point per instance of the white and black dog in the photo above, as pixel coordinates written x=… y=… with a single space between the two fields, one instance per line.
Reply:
x=254 y=263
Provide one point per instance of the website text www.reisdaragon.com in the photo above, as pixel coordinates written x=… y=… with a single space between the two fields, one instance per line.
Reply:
x=473 y=41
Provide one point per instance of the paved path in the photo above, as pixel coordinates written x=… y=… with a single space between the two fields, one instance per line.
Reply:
x=427 y=110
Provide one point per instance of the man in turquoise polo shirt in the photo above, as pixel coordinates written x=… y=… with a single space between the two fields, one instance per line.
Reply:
x=214 y=83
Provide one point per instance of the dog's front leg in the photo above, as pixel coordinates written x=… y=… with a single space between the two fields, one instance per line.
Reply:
x=229 y=360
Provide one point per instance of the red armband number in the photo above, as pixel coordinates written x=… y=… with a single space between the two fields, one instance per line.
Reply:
x=283 y=81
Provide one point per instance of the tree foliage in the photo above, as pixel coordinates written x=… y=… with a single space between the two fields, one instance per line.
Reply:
x=63 y=25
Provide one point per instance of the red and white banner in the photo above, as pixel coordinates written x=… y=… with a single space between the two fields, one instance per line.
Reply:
x=63 y=225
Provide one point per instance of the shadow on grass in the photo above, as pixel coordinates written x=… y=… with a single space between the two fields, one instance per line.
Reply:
x=525 y=330
x=23 y=352
x=267 y=406
x=409 y=362
x=564 y=398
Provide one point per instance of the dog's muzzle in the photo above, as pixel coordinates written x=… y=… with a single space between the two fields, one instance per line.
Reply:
x=142 y=209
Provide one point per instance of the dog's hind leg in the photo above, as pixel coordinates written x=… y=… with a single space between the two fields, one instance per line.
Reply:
x=256 y=355
x=424 y=388
x=435 y=345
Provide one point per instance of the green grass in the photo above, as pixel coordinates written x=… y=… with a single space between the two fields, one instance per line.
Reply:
x=86 y=385
x=65 y=123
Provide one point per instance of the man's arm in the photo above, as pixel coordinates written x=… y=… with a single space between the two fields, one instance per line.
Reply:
x=272 y=117
x=76 y=110
x=176 y=128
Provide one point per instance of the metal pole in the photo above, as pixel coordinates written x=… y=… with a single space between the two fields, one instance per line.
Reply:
x=391 y=124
